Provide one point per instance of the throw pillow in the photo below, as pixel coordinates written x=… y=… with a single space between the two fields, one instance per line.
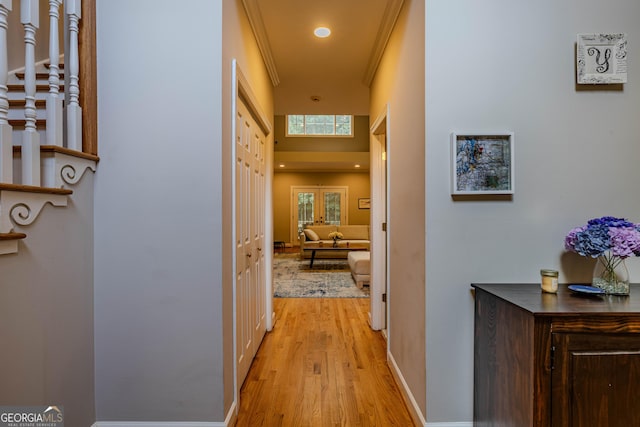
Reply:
x=311 y=235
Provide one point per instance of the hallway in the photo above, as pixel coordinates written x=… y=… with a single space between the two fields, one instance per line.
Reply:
x=321 y=366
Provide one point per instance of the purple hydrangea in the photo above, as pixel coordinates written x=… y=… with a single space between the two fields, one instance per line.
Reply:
x=571 y=238
x=625 y=241
x=617 y=235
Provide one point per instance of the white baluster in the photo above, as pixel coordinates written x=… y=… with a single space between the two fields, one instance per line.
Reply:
x=74 y=110
x=29 y=17
x=54 y=100
x=6 y=140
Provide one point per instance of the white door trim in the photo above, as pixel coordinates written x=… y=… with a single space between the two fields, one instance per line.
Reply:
x=379 y=214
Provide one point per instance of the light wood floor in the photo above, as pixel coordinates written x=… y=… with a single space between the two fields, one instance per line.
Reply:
x=321 y=366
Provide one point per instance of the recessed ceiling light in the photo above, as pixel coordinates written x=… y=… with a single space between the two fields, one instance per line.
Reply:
x=357 y=166
x=322 y=32
x=282 y=165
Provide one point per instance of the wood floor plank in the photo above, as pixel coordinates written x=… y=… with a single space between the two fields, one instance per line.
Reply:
x=321 y=366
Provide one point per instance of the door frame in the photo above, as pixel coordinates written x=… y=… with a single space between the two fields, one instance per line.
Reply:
x=379 y=214
x=240 y=88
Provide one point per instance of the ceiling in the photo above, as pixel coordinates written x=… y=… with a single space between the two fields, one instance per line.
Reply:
x=338 y=69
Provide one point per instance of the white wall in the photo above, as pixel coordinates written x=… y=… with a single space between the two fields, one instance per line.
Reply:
x=46 y=311
x=158 y=216
x=502 y=65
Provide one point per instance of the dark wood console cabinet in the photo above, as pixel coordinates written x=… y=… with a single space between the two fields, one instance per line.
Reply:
x=555 y=360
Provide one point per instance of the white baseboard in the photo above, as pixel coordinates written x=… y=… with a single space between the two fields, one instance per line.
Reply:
x=157 y=424
x=228 y=422
x=469 y=424
x=414 y=409
x=412 y=405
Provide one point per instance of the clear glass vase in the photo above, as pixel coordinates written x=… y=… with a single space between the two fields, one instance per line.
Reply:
x=611 y=275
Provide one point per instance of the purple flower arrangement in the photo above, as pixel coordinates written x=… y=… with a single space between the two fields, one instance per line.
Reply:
x=611 y=240
x=607 y=234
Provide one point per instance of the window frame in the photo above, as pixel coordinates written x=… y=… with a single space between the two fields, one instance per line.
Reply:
x=319 y=135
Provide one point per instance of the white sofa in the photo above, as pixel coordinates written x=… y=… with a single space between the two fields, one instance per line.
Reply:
x=314 y=234
x=360 y=266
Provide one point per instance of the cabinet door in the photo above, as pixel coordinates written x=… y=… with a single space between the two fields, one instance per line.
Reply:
x=595 y=380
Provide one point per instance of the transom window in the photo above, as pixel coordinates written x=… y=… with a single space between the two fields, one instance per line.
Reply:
x=319 y=125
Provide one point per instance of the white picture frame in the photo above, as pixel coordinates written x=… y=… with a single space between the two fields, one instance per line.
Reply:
x=482 y=163
x=601 y=58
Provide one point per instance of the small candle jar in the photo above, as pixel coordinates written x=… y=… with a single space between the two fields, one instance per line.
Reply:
x=549 y=281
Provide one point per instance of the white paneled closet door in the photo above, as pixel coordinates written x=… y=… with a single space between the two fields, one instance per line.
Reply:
x=250 y=231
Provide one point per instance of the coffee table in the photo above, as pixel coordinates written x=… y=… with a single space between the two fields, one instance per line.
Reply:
x=316 y=247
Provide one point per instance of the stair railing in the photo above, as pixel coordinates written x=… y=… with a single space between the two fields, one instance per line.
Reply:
x=63 y=119
x=54 y=100
x=6 y=137
x=47 y=168
x=74 y=112
x=29 y=17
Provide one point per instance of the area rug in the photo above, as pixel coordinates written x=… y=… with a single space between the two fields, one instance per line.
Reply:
x=329 y=278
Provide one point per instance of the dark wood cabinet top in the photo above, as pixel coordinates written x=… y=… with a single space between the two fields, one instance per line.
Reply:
x=529 y=297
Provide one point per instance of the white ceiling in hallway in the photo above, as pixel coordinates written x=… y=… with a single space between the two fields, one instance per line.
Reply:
x=339 y=68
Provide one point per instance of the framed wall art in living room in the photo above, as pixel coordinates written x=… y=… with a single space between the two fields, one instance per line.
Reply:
x=364 y=203
x=482 y=163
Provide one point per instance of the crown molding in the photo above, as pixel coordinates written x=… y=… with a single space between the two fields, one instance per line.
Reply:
x=252 y=10
x=389 y=19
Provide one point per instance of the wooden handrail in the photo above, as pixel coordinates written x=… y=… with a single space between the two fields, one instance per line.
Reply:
x=88 y=77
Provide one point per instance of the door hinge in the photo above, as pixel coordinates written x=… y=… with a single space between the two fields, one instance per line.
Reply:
x=553 y=356
x=384 y=297
x=384 y=226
